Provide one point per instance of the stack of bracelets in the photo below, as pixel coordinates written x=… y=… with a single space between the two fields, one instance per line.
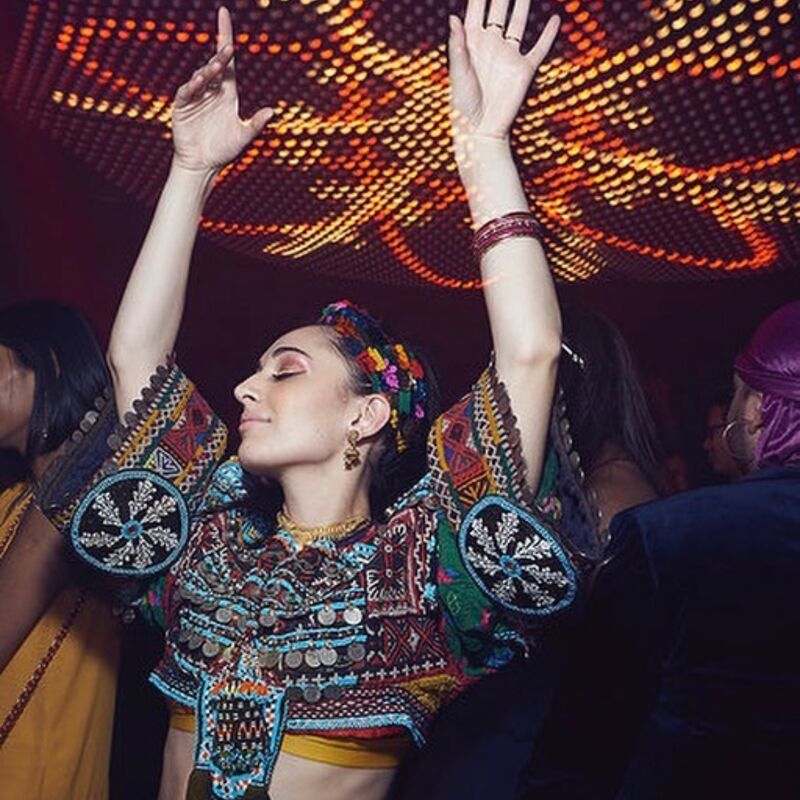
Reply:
x=517 y=223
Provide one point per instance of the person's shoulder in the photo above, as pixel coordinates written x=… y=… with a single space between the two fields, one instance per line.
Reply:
x=416 y=500
x=695 y=507
x=724 y=507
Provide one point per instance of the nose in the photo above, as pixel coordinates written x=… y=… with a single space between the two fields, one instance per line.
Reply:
x=246 y=391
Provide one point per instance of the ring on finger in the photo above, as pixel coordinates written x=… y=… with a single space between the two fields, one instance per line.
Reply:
x=514 y=39
x=495 y=25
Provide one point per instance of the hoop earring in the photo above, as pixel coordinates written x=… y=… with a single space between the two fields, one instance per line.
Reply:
x=738 y=457
x=352 y=458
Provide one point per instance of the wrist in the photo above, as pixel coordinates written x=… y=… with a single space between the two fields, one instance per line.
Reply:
x=191 y=173
x=473 y=149
x=197 y=180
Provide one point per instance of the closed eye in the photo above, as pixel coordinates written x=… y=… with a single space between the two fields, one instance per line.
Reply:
x=280 y=376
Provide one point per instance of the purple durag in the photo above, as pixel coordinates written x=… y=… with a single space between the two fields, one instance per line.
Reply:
x=771 y=365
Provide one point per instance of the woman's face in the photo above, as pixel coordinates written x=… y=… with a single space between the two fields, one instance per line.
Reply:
x=297 y=407
x=17 y=386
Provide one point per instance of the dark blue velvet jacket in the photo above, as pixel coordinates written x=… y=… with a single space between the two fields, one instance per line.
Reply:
x=687 y=680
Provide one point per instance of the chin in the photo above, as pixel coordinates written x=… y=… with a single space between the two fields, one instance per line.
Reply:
x=253 y=462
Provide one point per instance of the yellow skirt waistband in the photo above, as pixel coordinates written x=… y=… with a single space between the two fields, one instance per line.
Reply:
x=383 y=753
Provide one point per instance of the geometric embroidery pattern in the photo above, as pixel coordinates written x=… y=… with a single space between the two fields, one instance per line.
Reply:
x=416 y=640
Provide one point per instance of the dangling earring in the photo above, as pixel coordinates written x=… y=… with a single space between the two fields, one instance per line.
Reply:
x=352 y=458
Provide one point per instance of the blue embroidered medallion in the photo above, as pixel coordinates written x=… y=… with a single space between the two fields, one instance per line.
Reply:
x=131 y=523
x=515 y=560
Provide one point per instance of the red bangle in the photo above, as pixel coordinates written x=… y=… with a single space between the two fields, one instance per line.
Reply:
x=518 y=223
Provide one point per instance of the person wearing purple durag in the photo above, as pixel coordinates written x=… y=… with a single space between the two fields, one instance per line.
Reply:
x=694 y=690
x=764 y=416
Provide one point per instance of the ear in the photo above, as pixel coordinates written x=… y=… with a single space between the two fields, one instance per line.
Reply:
x=374 y=413
x=753 y=415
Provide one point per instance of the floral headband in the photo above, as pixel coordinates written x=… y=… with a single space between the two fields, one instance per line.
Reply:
x=391 y=367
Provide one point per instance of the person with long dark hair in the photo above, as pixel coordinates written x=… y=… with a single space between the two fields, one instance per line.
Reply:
x=612 y=427
x=311 y=634
x=58 y=640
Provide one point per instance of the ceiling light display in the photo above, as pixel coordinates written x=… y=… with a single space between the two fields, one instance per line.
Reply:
x=661 y=141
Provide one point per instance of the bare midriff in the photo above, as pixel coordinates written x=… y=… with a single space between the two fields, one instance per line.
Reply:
x=300 y=777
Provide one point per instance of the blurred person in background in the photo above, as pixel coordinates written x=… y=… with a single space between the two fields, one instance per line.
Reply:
x=720 y=460
x=58 y=640
x=695 y=686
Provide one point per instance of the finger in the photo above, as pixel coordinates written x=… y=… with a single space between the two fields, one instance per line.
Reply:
x=224 y=28
x=206 y=78
x=223 y=56
x=476 y=10
x=184 y=94
x=498 y=11
x=260 y=119
x=519 y=19
x=457 y=46
x=539 y=51
x=187 y=91
x=224 y=59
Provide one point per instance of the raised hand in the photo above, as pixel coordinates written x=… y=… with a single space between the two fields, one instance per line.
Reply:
x=489 y=75
x=207 y=130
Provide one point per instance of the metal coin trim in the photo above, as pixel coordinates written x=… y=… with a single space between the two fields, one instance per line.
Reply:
x=294 y=659
x=353 y=616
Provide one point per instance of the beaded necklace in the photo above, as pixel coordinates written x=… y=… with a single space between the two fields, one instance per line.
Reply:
x=305 y=536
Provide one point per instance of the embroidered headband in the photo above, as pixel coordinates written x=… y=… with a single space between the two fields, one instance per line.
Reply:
x=391 y=367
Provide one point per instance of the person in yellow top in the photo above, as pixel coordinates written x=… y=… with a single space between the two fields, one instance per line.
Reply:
x=59 y=641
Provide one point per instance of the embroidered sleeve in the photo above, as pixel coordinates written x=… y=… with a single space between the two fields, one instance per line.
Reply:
x=125 y=494
x=505 y=563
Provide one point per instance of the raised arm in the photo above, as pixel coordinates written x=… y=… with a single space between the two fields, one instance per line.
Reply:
x=490 y=78
x=207 y=134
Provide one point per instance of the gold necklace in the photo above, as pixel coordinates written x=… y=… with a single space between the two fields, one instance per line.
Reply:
x=305 y=536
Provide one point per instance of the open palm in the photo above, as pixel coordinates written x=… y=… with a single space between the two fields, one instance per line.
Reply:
x=207 y=130
x=489 y=75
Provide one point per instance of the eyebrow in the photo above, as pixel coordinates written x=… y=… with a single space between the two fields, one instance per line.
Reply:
x=278 y=351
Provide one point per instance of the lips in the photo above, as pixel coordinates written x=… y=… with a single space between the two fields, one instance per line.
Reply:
x=246 y=422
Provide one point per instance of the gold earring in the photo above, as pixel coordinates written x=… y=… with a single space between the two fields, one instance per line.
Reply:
x=352 y=457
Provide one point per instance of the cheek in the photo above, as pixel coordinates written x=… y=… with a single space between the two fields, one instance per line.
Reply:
x=16 y=403
x=306 y=422
x=316 y=416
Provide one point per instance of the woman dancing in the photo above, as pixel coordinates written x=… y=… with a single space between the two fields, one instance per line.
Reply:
x=312 y=632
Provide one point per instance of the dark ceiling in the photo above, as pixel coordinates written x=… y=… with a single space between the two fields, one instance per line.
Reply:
x=661 y=140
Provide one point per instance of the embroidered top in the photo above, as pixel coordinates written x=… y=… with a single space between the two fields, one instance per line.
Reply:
x=361 y=637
